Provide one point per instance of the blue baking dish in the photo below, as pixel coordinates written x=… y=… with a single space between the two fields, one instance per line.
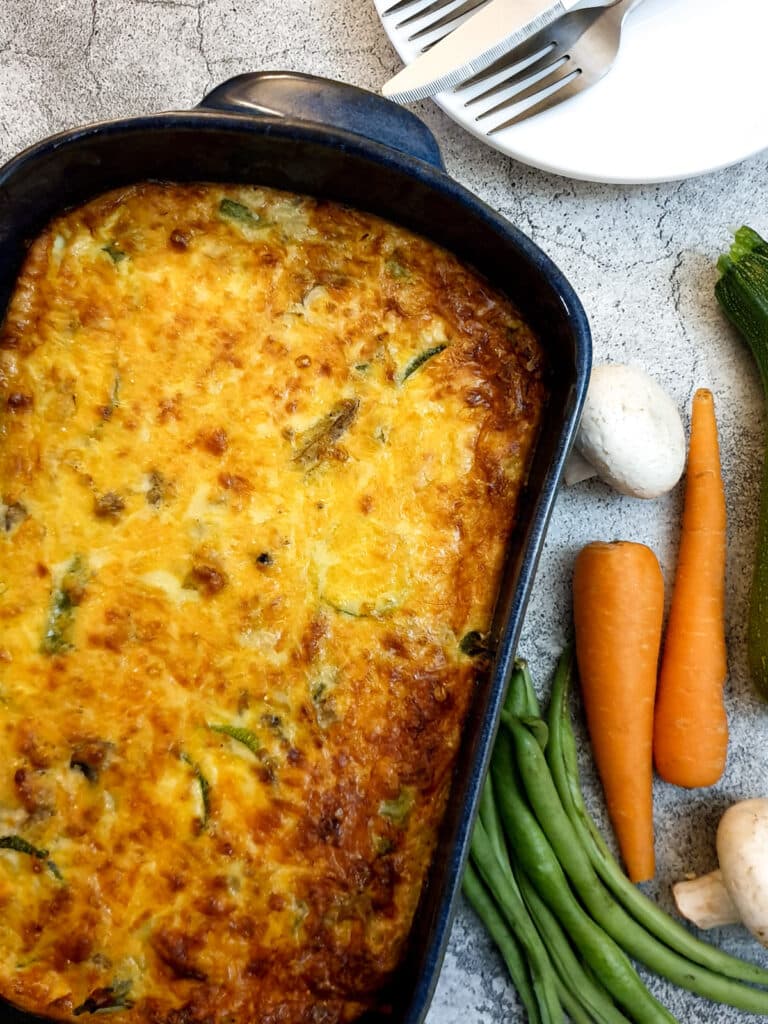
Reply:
x=324 y=138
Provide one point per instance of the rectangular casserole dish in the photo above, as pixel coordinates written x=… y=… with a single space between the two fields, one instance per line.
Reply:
x=302 y=156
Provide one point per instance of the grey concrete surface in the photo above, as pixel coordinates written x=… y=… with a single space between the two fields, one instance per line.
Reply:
x=642 y=259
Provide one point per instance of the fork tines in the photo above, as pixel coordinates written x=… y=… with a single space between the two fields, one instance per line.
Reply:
x=555 y=64
x=536 y=81
x=439 y=14
x=558 y=82
x=400 y=6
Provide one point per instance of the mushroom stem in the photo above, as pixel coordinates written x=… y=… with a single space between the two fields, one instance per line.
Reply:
x=705 y=901
x=577 y=468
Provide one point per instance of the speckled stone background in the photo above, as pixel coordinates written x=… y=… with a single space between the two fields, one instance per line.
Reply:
x=642 y=259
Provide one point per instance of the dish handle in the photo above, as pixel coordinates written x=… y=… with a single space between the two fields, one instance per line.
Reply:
x=330 y=103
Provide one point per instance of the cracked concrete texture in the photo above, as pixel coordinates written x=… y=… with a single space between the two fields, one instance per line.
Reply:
x=641 y=258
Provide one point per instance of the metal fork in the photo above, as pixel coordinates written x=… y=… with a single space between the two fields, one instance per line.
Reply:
x=440 y=15
x=557 y=63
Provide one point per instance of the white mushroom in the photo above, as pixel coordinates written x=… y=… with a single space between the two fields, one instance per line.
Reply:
x=738 y=890
x=631 y=434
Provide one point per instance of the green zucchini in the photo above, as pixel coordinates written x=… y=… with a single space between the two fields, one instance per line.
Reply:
x=398 y=810
x=342 y=610
x=249 y=739
x=239 y=735
x=382 y=845
x=57 y=638
x=396 y=269
x=19 y=845
x=418 y=361
x=114 y=399
x=204 y=784
x=238 y=211
x=107 y=1000
x=115 y=254
x=322 y=701
x=742 y=292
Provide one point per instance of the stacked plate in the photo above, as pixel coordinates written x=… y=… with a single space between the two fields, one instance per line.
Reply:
x=681 y=100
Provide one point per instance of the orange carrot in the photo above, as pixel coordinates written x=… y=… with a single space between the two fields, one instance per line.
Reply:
x=690 y=740
x=618 y=607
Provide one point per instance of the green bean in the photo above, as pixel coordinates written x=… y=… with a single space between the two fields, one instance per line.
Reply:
x=521 y=698
x=532 y=707
x=610 y=915
x=567 y=967
x=511 y=904
x=489 y=816
x=561 y=756
x=589 y=994
x=572 y=1006
x=537 y=858
x=482 y=902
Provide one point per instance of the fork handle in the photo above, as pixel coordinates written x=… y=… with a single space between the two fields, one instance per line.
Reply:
x=289 y=94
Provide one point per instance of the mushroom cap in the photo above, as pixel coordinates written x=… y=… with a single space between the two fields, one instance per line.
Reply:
x=631 y=431
x=742 y=850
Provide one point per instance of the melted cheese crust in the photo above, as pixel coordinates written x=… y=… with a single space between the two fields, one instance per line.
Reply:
x=259 y=461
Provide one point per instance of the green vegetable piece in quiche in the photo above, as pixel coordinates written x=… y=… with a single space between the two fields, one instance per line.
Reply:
x=204 y=784
x=107 y=410
x=398 y=810
x=239 y=735
x=65 y=597
x=237 y=211
x=19 y=845
x=396 y=269
x=107 y=1000
x=418 y=361
x=382 y=845
x=323 y=703
x=474 y=644
x=115 y=254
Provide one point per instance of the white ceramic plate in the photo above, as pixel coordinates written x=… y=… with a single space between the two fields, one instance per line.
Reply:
x=686 y=96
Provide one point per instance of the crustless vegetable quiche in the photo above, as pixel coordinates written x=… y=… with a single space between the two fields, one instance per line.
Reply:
x=259 y=461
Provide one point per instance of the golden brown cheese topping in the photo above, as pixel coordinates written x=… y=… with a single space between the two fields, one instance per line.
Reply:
x=259 y=461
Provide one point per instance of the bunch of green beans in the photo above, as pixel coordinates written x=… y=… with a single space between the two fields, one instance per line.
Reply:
x=563 y=914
